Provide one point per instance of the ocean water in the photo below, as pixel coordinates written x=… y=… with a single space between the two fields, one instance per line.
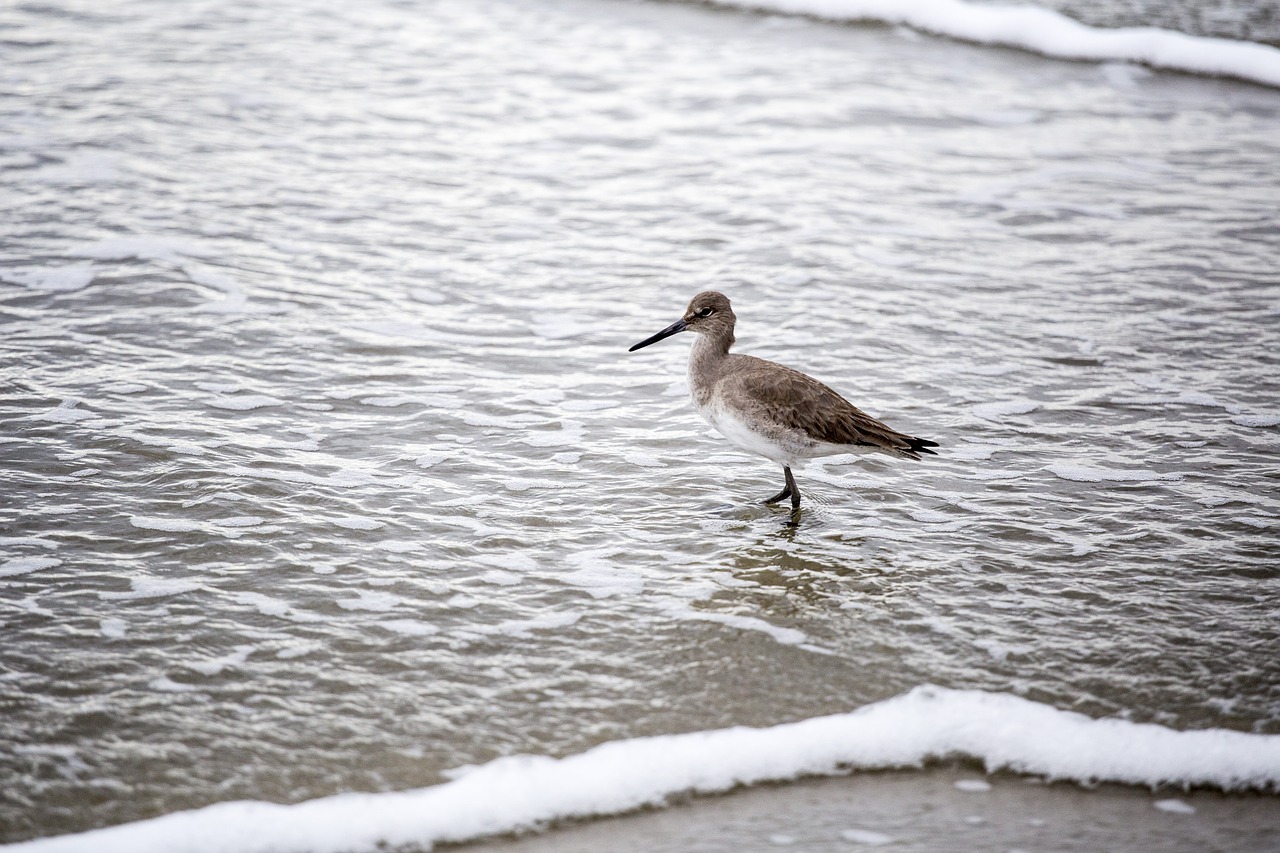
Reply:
x=1252 y=20
x=325 y=470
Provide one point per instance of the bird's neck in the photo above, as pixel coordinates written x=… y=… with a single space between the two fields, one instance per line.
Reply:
x=706 y=357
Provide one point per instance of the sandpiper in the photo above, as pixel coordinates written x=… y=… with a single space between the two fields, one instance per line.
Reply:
x=766 y=408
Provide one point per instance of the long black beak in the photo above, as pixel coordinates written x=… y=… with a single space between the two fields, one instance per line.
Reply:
x=677 y=326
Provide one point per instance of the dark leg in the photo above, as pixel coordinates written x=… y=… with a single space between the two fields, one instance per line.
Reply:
x=788 y=491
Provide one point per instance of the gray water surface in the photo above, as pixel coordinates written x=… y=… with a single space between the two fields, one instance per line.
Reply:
x=325 y=466
x=1250 y=20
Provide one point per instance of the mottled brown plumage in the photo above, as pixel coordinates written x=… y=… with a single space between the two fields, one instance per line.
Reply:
x=769 y=409
x=786 y=396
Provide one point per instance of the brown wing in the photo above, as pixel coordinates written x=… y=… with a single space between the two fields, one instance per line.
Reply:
x=787 y=396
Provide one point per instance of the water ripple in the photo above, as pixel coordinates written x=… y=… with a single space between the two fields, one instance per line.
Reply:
x=326 y=467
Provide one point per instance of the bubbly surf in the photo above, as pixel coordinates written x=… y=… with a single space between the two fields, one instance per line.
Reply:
x=1003 y=731
x=1048 y=33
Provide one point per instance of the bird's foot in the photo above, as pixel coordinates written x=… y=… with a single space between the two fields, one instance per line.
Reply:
x=782 y=495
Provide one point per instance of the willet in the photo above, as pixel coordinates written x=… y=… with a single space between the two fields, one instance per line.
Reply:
x=772 y=410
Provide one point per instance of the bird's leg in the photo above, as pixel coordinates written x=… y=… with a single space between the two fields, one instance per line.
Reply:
x=788 y=491
x=792 y=488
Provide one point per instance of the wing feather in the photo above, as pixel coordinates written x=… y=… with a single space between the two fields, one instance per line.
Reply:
x=786 y=396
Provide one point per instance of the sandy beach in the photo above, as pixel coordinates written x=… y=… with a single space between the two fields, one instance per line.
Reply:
x=940 y=809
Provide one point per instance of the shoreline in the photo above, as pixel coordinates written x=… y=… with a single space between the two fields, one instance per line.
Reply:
x=952 y=806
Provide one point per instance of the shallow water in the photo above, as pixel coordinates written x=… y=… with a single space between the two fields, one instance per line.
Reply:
x=325 y=466
x=1252 y=20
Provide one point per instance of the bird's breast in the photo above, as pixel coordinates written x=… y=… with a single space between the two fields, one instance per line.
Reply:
x=746 y=433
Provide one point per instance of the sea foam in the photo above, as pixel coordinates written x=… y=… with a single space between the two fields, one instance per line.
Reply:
x=27 y=565
x=1049 y=33
x=63 y=279
x=1005 y=732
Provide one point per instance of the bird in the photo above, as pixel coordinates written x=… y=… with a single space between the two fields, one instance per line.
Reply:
x=769 y=409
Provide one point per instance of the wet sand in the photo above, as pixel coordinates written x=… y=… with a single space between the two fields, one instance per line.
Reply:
x=933 y=810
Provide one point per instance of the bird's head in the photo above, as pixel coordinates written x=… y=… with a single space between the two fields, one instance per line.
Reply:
x=709 y=313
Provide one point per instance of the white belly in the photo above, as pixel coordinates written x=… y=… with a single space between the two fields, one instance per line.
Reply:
x=741 y=433
x=782 y=446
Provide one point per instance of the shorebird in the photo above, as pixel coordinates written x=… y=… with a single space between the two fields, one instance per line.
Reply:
x=772 y=410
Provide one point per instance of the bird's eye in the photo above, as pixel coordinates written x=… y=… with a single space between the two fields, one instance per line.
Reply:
x=706 y=312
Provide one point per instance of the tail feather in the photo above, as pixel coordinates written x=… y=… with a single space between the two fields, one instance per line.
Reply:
x=922 y=445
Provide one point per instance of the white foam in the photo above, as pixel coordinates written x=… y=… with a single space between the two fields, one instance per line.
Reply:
x=1090 y=474
x=170 y=525
x=152 y=588
x=342 y=478
x=972 y=452
x=233 y=659
x=40 y=542
x=1049 y=33
x=1005 y=732
x=600 y=576
x=63 y=279
x=427 y=460
x=1003 y=408
x=358 y=522
x=240 y=521
x=930 y=516
x=519 y=420
x=113 y=628
x=409 y=627
x=265 y=605
x=217 y=387
x=26 y=565
x=65 y=412
x=380 y=602
x=398 y=546
x=524 y=484
x=37 y=541
x=390 y=401
x=1257 y=420
x=297 y=650
x=268 y=606
x=569 y=434
x=643 y=460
